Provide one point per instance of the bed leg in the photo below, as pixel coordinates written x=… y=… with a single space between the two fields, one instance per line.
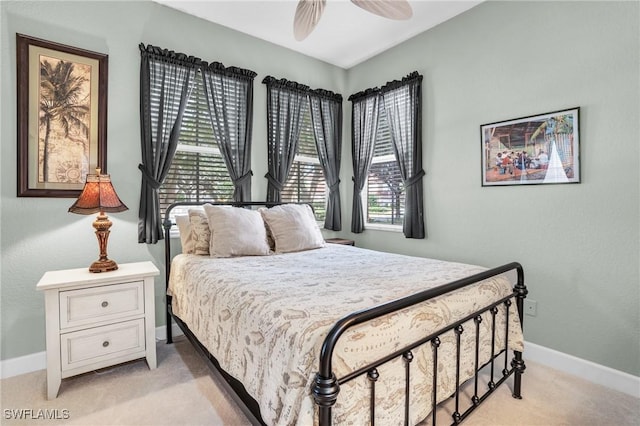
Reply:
x=518 y=363
x=325 y=393
x=518 y=369
x=168 y=322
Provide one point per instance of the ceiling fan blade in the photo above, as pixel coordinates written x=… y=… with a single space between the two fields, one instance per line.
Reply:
x=392 y=9
x=308 y=13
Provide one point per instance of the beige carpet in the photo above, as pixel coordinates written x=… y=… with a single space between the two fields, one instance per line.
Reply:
x=181 y=391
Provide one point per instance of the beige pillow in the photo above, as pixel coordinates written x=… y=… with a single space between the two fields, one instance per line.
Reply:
x=200 y=233
x=293 y=227
x=236 y=232
x=184 y=228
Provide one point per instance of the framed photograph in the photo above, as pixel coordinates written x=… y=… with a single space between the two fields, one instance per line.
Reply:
x=538 y=149
x=62 y=117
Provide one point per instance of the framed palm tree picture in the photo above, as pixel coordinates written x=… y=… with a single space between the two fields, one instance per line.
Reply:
x=62 y=117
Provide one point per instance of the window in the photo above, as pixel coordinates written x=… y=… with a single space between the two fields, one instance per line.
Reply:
x=387 y=146
x=384 y=189
x=306 y=183
x=198 y=171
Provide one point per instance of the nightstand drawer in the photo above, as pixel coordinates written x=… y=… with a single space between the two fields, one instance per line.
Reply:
x=97 y=304
x=98 y=344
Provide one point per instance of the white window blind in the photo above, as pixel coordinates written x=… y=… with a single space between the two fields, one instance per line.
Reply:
x=306 y=183
x=385 y=198
x=198 y=172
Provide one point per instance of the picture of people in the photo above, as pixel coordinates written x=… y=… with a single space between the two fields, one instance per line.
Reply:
x=532 y=150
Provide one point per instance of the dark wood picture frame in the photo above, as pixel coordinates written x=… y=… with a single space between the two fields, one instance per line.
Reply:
x=74 y=141
x=538 y=149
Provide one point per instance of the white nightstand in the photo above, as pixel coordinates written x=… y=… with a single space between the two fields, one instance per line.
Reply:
x=94 y=320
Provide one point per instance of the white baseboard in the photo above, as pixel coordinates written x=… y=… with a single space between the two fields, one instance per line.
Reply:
x=23 y=364
x=161 y=332
x=584 y=369
x=596 y=373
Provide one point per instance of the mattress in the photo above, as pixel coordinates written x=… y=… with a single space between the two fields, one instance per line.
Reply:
x=264 y=318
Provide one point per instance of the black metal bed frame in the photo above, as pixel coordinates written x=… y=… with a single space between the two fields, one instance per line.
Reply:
x=326 y=386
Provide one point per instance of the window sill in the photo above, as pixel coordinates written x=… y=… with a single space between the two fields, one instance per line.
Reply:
x=382 y=227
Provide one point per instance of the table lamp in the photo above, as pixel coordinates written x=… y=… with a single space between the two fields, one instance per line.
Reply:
x=98 y=196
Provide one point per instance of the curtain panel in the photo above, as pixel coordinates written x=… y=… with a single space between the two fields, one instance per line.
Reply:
x=172 y=75
x=402 y=104
x=287 y=101
x=326 y=118
x=363 y=134
x=229 y=93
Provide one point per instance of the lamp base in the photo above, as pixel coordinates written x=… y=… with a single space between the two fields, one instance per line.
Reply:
x=103 y=266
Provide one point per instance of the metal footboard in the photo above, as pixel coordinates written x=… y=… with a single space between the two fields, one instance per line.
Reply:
x=326 y=388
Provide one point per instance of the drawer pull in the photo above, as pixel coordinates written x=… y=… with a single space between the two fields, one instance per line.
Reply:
x=105 y=304
x=105 y=343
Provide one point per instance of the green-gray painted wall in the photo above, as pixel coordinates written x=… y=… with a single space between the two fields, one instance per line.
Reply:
x=579 y=243
x=38 y=234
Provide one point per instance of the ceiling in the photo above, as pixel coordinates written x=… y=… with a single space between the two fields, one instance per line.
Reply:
x=345 y=36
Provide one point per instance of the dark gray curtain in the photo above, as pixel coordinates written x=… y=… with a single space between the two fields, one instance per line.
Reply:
x=326 y=117
x=172 y=75
x=364 y=128
x=287 y=102
x=229 y=93
x=402 y=103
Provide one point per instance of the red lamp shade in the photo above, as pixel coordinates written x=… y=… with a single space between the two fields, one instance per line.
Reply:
x=98 y=196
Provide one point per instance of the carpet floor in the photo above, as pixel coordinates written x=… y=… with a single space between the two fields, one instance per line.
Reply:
x=182 y=391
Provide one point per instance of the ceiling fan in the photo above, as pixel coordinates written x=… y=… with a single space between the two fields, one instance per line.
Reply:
x=308 y=13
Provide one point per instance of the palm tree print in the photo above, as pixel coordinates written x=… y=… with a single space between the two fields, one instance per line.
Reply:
x=64 y=118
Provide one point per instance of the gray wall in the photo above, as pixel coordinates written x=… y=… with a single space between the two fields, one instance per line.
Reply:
x=579 y=243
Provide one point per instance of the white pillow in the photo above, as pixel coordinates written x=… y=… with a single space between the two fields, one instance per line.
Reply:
x=236 y=232
x=200 y=233
x=293 y=227
x=184 y=228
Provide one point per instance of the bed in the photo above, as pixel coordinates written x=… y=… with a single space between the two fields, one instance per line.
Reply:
x=334 y=333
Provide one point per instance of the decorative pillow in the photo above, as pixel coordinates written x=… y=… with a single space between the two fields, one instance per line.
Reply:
x=184 y=228
x=293 y=227
x=270 y=241
x=236 y=232
x=200 y=233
